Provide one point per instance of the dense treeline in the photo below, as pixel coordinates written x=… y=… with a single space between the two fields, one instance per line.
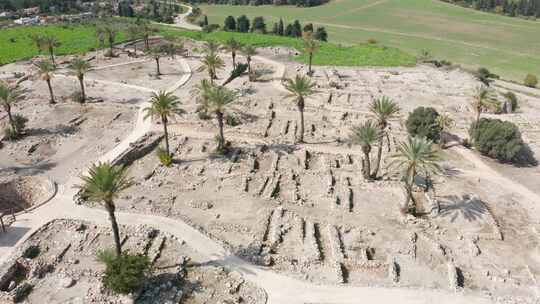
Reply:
x=527 y=8
x=243 y=24
x=262 y=2
x=63 y=6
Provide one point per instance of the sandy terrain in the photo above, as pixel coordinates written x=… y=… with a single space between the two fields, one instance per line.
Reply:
x=304 y=210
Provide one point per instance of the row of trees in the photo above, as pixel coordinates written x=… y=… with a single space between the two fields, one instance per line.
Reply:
x=242 y=24
x=303 y=3
x=528 y=8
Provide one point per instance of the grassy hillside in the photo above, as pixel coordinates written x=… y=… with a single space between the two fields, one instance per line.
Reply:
x=15 y=43
x=508 y=46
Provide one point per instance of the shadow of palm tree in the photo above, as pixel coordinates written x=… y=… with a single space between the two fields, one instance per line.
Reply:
x=469 y=207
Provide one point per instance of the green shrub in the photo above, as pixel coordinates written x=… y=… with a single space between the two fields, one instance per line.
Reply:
x=497 y=139
x=422 y=122
x=22 y=292
x=231 y=120
x=531 y=81
x=512 y=98
x=124 y=274
x=372 y=41
x=165 y=158
x=31 y=252
x=485 y=76
x=16 y=132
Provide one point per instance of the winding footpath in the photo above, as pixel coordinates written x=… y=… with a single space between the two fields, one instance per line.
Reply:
x=279 y=288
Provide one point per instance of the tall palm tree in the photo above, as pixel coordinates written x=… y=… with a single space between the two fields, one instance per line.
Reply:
x=109 y=31
x=214 y=100
x=79 y=67
x=415 y=157
x=366 y=135
x=249 y=51
x=382 y=109
x=444 y=122
x=233 y=46
x=134 y=32
x=10 y=95
x=156 y=52
x=163 y=105
x=103 y=184
x=49 y=43
x=45 y=70
x=299 y=89
x=211 y=46
x=212 y=62
x=311 y=46
x=146 y=31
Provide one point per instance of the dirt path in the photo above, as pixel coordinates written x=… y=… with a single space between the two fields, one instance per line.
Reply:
x=280 y=288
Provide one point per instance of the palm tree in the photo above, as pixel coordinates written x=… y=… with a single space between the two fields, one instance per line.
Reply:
x=214 y=100
x=49 y=43
x=212 y=62
x=299 y=89
x=382 y=109
x=311 y=46
x=156 y=52
x=109 y=31
x=45 y=70
x=103 y=184
x=147 y=30
x=481 y=101
x=249 y=51
x=134 y=32
x=414 y=157
x=444 y=122
x=79 y=67
x=10 y=95
x=163 y=105
x=366 y=135
x=233 y=46
x=211 y=46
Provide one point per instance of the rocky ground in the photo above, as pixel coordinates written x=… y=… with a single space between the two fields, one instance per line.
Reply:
x=63 y=269
x=305 y=210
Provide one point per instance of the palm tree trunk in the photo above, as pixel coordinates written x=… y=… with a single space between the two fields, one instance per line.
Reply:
x=146 y=43
x=157 y=67
x=52 y=101
x=404 y=209
x=379 y=157
x=51 y=54
x=221 y=143
x=114 y=225
x=249 y=67
x=367 y=166
x=310 y=61
x=301 y=107
x=7 y=107
x=234 y=59
x=166 y=131
x=83 y=93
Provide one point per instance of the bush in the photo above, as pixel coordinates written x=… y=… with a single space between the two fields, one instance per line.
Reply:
x=422 y=122
x=372 y=41
x=497 y=139
x=165 y=158
x=124 y=274
x=231 y=120
x=531 y=81
x=512 y=98
x=20 y=124
x=485 y=76
x=31 y=252
x=22 y=292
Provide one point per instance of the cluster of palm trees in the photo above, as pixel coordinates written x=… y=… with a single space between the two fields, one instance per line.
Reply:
x=9 y=96
x=414 y=157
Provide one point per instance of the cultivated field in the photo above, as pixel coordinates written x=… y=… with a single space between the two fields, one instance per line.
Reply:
x=508 y=46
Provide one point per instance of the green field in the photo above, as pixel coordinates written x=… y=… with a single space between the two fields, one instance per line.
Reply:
x=15 y=43
x=507 y=46
x=329 y=54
